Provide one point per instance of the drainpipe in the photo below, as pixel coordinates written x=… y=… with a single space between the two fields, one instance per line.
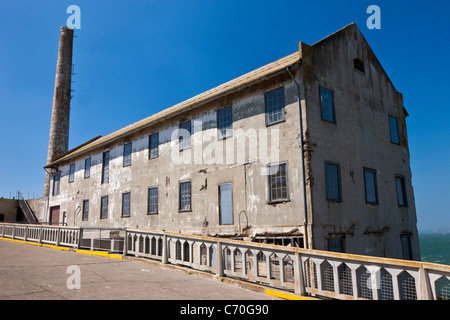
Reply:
x=305 y=208
x=47 y=213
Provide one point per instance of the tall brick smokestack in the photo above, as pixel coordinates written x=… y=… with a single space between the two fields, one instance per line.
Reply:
x=58 y=142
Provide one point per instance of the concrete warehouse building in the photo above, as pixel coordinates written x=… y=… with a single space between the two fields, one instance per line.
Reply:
x=310 y=150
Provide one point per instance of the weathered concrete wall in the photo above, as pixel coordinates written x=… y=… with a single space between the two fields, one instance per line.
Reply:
x=250 y=185
x=39 y=208
x=360 y=138
x=8 y=208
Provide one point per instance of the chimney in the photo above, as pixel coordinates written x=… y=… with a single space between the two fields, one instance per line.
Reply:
x=58 y=142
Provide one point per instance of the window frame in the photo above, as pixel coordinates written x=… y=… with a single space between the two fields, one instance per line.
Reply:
x=56 y=192
x=148 y=200
x=408 y=254
x=71 y=172
x=220 y=128
x=333 y=109
x=190 y=196
x=87 y=169
x=403 y=189
x=340 y=240
x=271 y=200
x=102 y=207
x=126 y=214
x=127 y=154
x=391 y=131
x=105 y=167
x=150 y=156
x=220 y=206
x=181 y=143
x=283 y=108
x=85 y=214
x=338 y=166
x=374 y=172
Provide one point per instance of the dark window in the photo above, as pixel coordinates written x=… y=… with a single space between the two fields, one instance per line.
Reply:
x=71 y=172
x=274 y=106
x=401 y=191
x=185 y=135
x=406 y=246
x=358 y=65
x=85 y=210
x=333 y=181
x=56 y=184
x=153 y=146
x=327 y=105
x=87 y=168
x=224 y=123
x=278 y=185
x=185 y=196
x=370 y=182
x=127 y=154
x=336 y=244
x=105 y=167
x=153 y=200
x=104 y=207
x=126 y=204
x=393 y=128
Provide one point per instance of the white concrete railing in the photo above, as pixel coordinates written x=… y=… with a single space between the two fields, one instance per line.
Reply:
x=306 y=272
x=55 y=235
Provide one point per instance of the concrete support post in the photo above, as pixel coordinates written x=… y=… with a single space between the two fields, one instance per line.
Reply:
x=424 y=292
x=125 y=244
x=40 y=235
x=164 y=258
x=58 y=236
x=25 y=234
x=14 y=232
x=80 y=236
x=299 y=282
x=219 y=264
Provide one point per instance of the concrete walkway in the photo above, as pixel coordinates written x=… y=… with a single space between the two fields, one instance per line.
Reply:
x=38 y=273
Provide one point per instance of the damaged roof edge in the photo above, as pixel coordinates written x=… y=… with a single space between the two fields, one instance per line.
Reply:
x=196 y=101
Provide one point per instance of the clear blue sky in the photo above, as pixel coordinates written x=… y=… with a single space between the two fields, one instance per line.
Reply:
x=135 y=58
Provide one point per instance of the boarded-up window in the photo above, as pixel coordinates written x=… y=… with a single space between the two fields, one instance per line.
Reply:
x=153 y=146
x=333 y=183
x=72 y=172
x=56 y=184
x=126 y=204
x=127 y=154
x=327 y=105
x=85 y=210
x=370 y=182
x=104 y=207
x=105 y=167
x=153 y=200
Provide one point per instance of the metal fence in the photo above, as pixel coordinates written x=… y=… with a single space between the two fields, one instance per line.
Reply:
x=305 y=272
